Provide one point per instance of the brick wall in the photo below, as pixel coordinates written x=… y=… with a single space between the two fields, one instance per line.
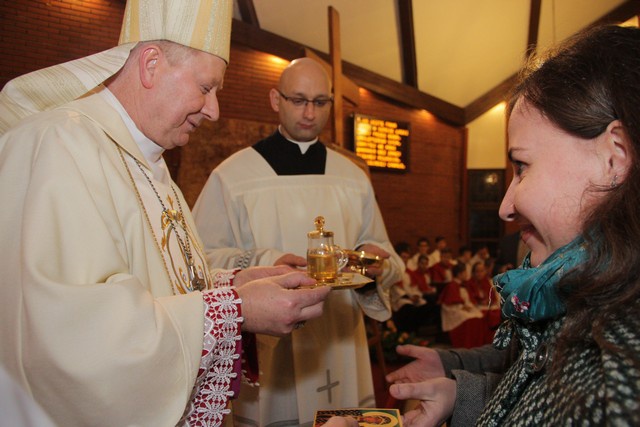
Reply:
x=37 y=33
x=423 y=201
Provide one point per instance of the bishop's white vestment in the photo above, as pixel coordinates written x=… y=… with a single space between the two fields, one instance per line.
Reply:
x=98 y=322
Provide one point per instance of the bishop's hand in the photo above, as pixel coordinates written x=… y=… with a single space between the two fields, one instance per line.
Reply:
x=278 y=304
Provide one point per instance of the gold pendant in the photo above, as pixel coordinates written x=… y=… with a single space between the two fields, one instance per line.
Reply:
x=197 y=283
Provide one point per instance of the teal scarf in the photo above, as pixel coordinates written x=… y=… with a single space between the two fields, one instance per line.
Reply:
x=533 y=314
x=529 y=293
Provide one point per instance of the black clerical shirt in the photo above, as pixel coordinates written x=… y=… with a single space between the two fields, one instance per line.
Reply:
x=285 y=157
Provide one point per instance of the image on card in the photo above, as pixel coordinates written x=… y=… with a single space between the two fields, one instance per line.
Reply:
x=366 y=417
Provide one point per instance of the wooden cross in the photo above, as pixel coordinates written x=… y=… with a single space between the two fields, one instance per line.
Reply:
x=343 y=87
x=336 y=75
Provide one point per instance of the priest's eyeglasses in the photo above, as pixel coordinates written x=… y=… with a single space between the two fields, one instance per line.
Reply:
x=302 y=102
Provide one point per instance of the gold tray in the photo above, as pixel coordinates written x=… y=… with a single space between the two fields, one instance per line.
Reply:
x=348 y=281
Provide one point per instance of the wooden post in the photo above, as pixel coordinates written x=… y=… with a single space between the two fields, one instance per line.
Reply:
x=336 y=76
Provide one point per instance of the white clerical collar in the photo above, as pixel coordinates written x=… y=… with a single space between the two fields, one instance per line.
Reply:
x=304 y=146
x=151 y=151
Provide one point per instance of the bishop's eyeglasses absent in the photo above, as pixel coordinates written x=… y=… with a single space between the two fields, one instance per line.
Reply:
x=298 y=101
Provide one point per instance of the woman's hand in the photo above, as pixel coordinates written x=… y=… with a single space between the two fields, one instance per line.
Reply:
x=427 y=365
x=437 y=399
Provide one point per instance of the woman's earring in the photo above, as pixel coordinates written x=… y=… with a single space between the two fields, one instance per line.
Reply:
x=614 y=181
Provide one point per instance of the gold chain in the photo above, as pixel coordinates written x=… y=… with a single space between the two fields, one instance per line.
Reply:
x=186 y=247
x=196 y=282
x=148 y=221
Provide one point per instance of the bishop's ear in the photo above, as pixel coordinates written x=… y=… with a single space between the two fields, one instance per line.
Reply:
x=149 y=65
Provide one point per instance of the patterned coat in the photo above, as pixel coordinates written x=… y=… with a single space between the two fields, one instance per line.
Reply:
x=599 y=386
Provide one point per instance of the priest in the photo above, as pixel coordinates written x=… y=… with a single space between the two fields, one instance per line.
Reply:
x=256 y=209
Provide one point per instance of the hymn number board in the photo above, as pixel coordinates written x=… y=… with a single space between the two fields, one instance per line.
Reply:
x=381 y=143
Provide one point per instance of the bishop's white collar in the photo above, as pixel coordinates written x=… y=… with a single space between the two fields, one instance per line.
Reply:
x=151 y=151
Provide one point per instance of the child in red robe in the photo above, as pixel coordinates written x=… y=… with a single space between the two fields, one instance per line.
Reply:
x=461 y=317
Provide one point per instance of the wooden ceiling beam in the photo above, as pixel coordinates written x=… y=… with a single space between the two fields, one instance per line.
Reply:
x=407 y=43
x=400 y=92
x=264 y=41
x=248 y=12
x=404 y=94
x=622 y=13
x=534 y=27
x=489 y=100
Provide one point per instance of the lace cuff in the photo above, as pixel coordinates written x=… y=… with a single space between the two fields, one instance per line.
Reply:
x=220 y=364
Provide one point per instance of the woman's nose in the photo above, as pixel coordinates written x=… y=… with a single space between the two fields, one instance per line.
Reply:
x=507 y=210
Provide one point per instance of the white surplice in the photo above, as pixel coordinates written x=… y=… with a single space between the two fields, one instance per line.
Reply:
x=248 y=215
